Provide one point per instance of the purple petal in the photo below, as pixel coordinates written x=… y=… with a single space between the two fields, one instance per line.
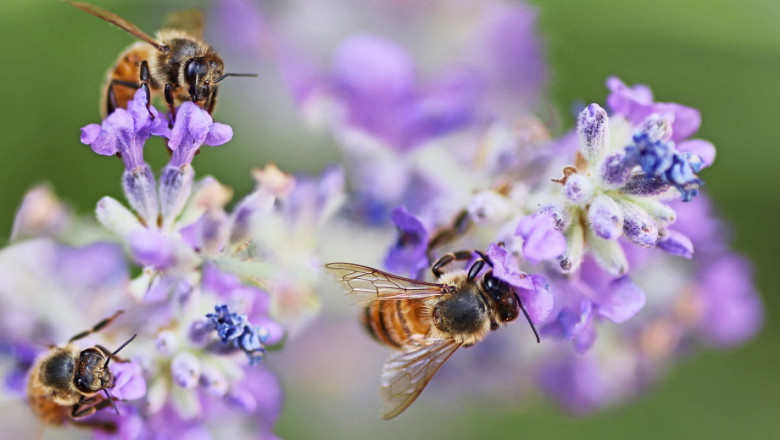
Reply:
x=573 y=321
x=621 y=300
x=129 y=382
x=541 y=241
x=676 y=243
x=686 y=119
x=218 y=134
x=408 y=254
x=506 y=268
x=538 y=302
x=625 y=100
x=705 y=150
x=89 y=133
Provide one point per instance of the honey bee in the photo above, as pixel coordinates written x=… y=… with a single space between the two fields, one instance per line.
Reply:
x=426 y=321
x=177 y=63
x=65 y=382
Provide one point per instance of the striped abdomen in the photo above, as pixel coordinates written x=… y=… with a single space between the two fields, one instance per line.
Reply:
x=395 y=322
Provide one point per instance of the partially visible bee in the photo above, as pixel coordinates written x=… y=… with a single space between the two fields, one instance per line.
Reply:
x=178 y=63
x=65 y=382
x=427 y=322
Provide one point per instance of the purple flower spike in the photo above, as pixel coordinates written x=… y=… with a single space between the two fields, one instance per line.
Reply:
x=541 y=241
x=533 y=290
x=124 y=132
x=129 y=382
x=193 y=128
x=409 y=252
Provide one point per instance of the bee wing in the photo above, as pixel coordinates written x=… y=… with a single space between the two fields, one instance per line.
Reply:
x=189 y=20
x=117 y=21
x=406 y=374
x=367 y=284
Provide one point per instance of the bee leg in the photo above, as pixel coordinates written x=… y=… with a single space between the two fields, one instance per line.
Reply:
x=449 y=258
x=168 y=93
x=97 y=327
x=145 y=86
x=212 y=100
x=88 y=406
x=111 y=103
x=459 y=227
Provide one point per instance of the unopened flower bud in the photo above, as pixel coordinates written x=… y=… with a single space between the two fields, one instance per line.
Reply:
x=592 y=125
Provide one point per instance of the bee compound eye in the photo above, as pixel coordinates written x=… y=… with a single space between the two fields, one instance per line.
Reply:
x=191 y=71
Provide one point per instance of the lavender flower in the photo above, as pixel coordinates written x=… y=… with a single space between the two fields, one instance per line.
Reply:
x=408 y=255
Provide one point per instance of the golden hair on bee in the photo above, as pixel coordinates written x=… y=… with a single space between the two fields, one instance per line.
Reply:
x=65 y=383
x=426 y=321
x=177 y=64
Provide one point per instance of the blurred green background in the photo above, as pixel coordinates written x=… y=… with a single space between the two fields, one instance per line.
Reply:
x=721 y=56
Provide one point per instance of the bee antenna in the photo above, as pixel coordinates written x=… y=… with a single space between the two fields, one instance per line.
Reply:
x=531 y=323
x=110 y=400
x=119 y=349
x=220 y=78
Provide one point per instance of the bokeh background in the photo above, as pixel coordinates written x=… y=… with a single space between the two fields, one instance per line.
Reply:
x=721 y=56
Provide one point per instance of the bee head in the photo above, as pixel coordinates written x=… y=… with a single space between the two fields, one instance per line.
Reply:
x=504 y=296
x=201 y=75
x=92 y=373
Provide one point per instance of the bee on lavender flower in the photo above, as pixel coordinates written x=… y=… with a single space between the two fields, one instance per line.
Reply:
x=426 y=321
x=65 y=382
x=178 y=63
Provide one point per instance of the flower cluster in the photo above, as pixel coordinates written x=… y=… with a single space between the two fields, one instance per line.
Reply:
x=191 y=257
x=605 y=233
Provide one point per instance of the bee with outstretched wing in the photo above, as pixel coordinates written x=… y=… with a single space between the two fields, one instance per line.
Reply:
x=426 y=321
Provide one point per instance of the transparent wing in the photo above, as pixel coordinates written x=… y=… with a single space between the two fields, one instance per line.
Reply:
x=367 y=284
x=189 y=20
x=406 y=374
x=117 y=21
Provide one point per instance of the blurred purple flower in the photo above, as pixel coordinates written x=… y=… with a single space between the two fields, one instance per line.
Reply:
x=376 y=82
x=408 y=255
